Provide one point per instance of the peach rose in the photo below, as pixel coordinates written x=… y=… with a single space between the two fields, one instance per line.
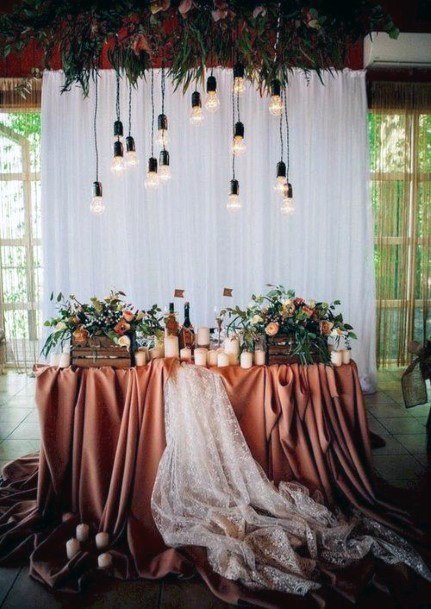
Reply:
x=298 y=302
x=272 y=328
x=308 y=312
x=288 y=310
x=122 y=327
x=326 y=327
x=81 y=335
x=128 y=315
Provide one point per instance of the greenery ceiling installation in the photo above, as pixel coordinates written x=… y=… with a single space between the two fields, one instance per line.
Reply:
x=269 y=38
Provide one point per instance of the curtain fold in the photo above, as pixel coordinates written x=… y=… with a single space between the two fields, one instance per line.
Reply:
x=181 y=235
x=400 y=132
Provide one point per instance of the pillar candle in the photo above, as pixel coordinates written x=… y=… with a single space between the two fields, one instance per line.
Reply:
x=336 y=358
x=156 y=352
x=212 y=357
x=140 y=358
x=346 y=356
x=64 y=360
x=72 y=548
x=102 y=540
x=54 y=359
x=171 y=346
x=201 y=357
x=222 y=360
x=82 y=532
x=104 y=560
x=246 y=359
x=259 y=357
x=186 y=354
x=231 y=347
x=203 y=337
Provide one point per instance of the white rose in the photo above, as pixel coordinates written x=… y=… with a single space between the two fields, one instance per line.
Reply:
x=286 y=303
x=124 y=341
x=312 y=304
x=256 y=319
x=60 y=326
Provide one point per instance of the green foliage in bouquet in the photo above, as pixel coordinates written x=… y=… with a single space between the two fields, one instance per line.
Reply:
x=111 y=317
x=309 y=323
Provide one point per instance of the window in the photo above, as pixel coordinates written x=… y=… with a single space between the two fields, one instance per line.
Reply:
x=20 y=235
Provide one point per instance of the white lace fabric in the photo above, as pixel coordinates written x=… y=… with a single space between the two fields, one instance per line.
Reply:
x=210 y=492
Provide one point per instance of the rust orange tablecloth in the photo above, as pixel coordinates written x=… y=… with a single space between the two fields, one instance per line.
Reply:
x=102 y=439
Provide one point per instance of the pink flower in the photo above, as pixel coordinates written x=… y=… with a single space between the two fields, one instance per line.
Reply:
x=259 y=10
x=298 y=302
x=326 y=327
x=308 y=312
x=272 y=328
x=122 y=327
x=221 y=10
x=128 y=315
x=185 y=6
x=140 y=43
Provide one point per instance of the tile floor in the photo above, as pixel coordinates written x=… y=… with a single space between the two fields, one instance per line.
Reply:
x=403 y=462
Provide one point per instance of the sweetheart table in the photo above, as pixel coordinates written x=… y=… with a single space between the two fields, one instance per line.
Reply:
x=103 y=436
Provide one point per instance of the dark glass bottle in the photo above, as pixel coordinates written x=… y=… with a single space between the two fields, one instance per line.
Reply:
x=187 y=335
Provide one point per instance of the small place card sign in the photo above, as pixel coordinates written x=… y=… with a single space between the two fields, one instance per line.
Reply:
x=179 y=293
x=227 y=292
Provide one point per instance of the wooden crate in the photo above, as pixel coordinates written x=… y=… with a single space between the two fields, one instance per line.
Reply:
x=99 y=351
x=279 y=350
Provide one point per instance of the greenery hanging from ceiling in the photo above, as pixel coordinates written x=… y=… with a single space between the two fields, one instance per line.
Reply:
x=269 y=38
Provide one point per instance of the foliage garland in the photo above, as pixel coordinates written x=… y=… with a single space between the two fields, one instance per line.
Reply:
x=270 y=38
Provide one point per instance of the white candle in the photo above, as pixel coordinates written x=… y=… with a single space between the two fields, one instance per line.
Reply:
x=203 y=337
x=104 y=560
x=54 y=359
x=64 y=360
x=259 y=357
x=186 y=354
x=336 y=358
x=346 y=356
x=231 y=347
x=212 y=358
x=140 y=358
x=102 y=540
x=72 y=548
x=171 y=346
x=201 y=357
x=82 y=532
x=222 y=360
x=156 y=352
x=246 y=359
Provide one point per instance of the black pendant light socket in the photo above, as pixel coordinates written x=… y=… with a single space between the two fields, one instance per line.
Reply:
x=130 y=144
x=276 y=87
x=239 y=130
x=118 y=129
x=196 y=99
x=162 y=122
x=97 y=189
x=118 y=148
x=238 y=70
x=211 y=84
x=152 y=164
x=281 y=169
x=289 y=191
x=234 y=187
x=164 y=158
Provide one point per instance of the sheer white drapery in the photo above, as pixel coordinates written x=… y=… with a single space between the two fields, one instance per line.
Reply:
x=181 y=235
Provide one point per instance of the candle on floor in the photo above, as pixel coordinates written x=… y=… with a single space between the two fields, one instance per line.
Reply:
x=336 y=358
x=140 y=358
x=201 y=356
x=64 y=360
x=346 y=356
x=186 y=354
x=231 y=347
x=104 y=560
x=246 y=359
x=171 y=346
x=102 y=540
x=203 y=337
x=156 y=352
x=259 y=357
x=72 y=548
x=222 y=360
x=212 y=358
x=82 y=532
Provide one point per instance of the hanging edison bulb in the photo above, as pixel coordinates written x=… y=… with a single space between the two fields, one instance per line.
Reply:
x=238 y=144
x=238 y=79
x=287 y=205
x=117 y=166
x=131 y=158
x=196 y=115
x=152 y=179
x=97 y=206
x=276 y=103
x=234 y=203
x=118 y=131
x=164 y=167
x=162 y=130
x=280 y=181
x=212 y=102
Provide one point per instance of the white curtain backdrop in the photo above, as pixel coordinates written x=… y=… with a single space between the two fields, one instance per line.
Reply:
x=181 y=235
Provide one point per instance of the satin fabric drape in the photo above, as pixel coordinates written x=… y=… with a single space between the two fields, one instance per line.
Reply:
x=102 y=439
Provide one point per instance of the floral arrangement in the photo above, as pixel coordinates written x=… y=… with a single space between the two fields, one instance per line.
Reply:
x=309 y=324
x=268 y=37
x=111 y=317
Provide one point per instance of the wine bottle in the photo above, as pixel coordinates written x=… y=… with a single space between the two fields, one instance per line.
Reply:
x=187 y=335
x=172 y=327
